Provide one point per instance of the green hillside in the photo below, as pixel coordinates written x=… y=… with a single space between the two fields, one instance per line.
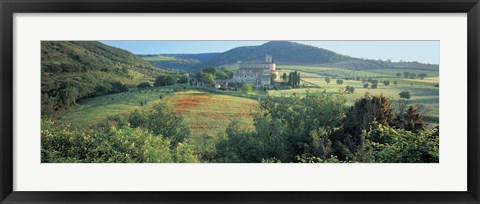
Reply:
x=185 y=62
x=72 y=71
x=284 y=52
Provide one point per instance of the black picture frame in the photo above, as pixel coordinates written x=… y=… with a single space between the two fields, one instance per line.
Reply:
x=9 y=7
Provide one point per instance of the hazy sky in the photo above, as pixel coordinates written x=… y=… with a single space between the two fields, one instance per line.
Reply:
x=422 y=51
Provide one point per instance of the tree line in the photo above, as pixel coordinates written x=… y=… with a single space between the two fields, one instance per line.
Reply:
x=319 y=128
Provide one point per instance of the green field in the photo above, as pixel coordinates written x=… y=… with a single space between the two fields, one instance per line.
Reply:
x=424 y=93
x=206 y=112
x=160 y=58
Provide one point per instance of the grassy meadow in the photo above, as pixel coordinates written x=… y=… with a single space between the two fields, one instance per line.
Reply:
x=423 y=92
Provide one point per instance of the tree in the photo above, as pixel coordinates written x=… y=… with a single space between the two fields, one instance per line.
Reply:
x=220 y=74
x=404 y=95
x=183 y=79
x=422 y=75
x=290 y=79
x=374 y=86
x=284 y=76
x=393 y=145
x=349 y=89
x=293 y=78
x=412 y=120
x=339 y=81
x=386 y=83
x=118 y=87
x=413 y=75
x=298 y=78
x=360 y=118
x=395 y=83
x=365 y=85
x=273 y=76
x=165 y=80
x=327 y=79
x=161 y=120
x=144 y=85
x=399 y=75
x=246 y=88
x=210 y=70
x=206 y=78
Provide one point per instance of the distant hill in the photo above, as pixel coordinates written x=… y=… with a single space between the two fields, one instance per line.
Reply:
x=283 y=52
x=287 y=53
x=81 y=69
x=186 y=62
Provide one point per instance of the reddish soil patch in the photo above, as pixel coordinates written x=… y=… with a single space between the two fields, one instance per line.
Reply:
x=253 y=105
x=184 y=103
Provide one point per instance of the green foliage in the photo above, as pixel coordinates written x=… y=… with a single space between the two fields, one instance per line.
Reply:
x=339 y=81
x=422 y=75
x=246 y=88
x=153 y=136
x=411 y=120
x=61 y=144
x=405 y=94
x=206 y=78
x=161 y=120
x=359 y=119
x=349 y=89
x=293 y=78
x=76 y=70
x=384 y=144
x=165 y=80
x=286 y=127
x=144 y=85
x=327 y=79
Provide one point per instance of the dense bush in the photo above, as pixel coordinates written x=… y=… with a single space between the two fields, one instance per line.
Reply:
x=285 y=128
x=62 y=144
x=161 y=120
x=153 y=136
x=144 y=85
x=384 y=144
x=318 y=128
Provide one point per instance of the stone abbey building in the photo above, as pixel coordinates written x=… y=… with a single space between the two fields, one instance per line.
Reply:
x=256 y=73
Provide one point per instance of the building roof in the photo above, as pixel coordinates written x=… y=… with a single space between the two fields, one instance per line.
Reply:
x=257 y=62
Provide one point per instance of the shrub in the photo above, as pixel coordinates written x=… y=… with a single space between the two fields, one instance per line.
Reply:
x=144 y=85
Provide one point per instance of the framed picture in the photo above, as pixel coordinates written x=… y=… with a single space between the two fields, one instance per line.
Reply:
x=240 y=101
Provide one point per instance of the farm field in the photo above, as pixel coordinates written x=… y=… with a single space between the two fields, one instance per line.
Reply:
x=205 y=112
x=208 y=114
x=423 y=91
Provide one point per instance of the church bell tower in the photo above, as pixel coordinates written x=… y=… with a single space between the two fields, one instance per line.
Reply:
x=268 y=58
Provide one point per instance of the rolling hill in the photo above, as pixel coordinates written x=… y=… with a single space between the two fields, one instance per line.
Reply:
x=76 y=70
x=286 y=53
x=185 y=62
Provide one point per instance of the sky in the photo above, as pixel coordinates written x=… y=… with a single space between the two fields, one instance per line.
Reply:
x=421 y=51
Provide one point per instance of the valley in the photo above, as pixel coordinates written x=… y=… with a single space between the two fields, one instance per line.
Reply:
x=194 y=103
